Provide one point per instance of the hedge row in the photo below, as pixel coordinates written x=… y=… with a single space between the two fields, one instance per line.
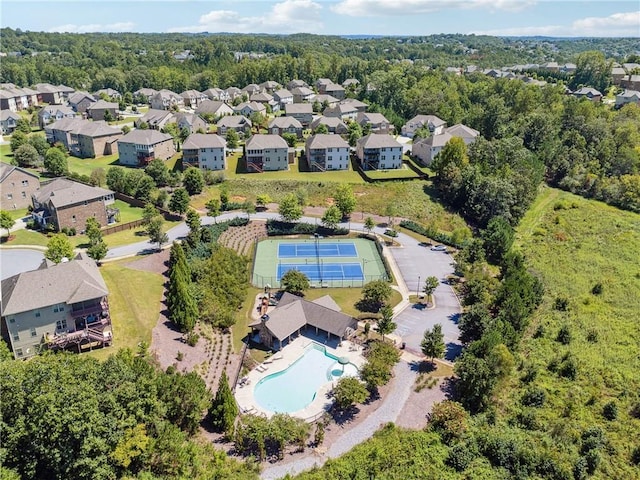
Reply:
x=278 y=227
x=431 y=233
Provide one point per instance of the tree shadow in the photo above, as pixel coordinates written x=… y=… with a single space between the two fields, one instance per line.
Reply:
x=448 y=387
x=453 y=351
x=419 y=306
x=455 y=318
x=343 y=417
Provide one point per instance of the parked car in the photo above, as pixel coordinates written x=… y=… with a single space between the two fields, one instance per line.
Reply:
x=439 y=248
x=425 y=244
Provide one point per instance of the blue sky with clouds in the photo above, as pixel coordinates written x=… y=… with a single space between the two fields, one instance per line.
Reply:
x=334 y=17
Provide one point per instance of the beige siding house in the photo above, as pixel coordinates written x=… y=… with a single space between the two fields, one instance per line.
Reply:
x=140 y=147
x=16 y=187
x=207 y=152
x=266 y=153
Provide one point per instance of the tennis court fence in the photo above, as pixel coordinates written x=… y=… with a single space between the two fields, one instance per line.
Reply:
x=261 y=281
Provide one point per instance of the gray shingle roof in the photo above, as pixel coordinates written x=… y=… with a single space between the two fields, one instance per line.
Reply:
x=285 y=122
x=260 y=142
x=293 y=108
x=379 y=141
x=145 y=137
x=103 y=105
x=6 y=169
x=325 y=140
x=69 y=282
x=62 y=192
x=96 y=129
x=202 y=140
x=234 y=121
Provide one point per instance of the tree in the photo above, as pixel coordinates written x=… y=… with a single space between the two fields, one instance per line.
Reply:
x=232 y=139
x=18 y=139
x=98 y=250
x=23 y=125
x=193 y=220
x=179 y=201
x=98 y=177
x=39 y=142
x=149 y=212
x=349 y=391
x=262 y=199
x=450 y=420
x=331 y=217
x=248 y=207
x=497 y=239
x=432 y=344
x=321 y=129
x=290 y=138
x=155 y=232
x=158 y=170
x=386 y=325
x=193 y=181
x=213 y=208
x=430 y=285
x=289 y=208
x=452 y=155
x=295 y=282
x=345 y=199
x=369 y=225
x=474 y=322
x=108 y=116
x=374 y=295
x=92 y=230
x=592 y=70
x=354 y=133
x=144 y=187
x=55 y=162
x=59 y=247
x=6 y=221
x=224 y=409
x=27 y=156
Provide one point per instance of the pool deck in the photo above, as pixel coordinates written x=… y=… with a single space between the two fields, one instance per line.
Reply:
x=280 y=361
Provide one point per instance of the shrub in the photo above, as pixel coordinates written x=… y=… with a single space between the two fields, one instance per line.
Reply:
x=192 y=338
x=592 y=336
x=580 y=469
x=597 y=289
x=592 y=458
x=610 y=411
x=461 y=456
x=530 y=374
x=432 y=233
x=564 y=335
x=561 y=304
x=534 y=397
x=568 y=369
x=635 y=456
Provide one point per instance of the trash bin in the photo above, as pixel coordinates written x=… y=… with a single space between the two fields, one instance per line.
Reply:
x=403 y=345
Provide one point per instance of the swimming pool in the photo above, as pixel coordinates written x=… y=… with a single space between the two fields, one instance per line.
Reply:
x=296 y=387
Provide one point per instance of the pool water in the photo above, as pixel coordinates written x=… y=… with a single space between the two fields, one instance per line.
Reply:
x=296 y=387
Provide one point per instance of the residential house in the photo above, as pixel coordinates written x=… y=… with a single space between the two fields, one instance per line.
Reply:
x=379 y=152
x=98 y=110
x=47 y=93
x=303 y=112
x=354 y=102
x=631 y=82
x=270 y=86
x=326 y=152
x=351 y=84
x=65 y=91
x=65 y=203
x=8 y=101
x=144 y=94
x=60 y=131
x=166 y=100
x=617 y=74
x=426 y=149
x=628 y=96
x=588 y=93
x=334 y=125
x=251 y=89
x=325 y=100
x=335 y=90
x=141 y=147
x=266 y=153
x=216 y=94
x=93 y=139
x=376 y=121
x=214 y=109
x=233 y=93
x=191 y=122
x=207 y=152
x=193 y=98
x=155 y=119
x=265 y=99
x=16 y=187
x=282 y=125
x=343 y=111
x=16 y=99
x=435 y=125
x=295 y=315
x=302 y=94
x=109 y=93
x=80 y=101
x=296 y=84
x=53 y=113
x=568 y=68
x=283 y=97
x=322 y=83
x=247 y=108
x=8 y=121
x=56 y=307
x=239 y=123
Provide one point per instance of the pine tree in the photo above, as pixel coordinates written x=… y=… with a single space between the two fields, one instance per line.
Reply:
x=224 y=410
x=182 y=306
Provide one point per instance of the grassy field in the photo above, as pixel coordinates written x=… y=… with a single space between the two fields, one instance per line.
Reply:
x=574 y=244
x=404 y=172
x=128 y=213
x=133 y=316
x=85 y=166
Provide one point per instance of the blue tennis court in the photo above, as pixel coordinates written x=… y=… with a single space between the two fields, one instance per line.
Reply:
x=324 y=271
x=313 y=249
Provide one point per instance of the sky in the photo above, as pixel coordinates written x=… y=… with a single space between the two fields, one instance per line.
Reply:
x=569 y=18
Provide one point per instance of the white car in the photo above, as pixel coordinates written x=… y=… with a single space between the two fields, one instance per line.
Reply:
x=439 y=248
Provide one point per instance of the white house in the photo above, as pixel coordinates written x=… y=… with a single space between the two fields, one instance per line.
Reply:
x=435 y=125
x=207 y=152
x=327 y=152
x=379 y=152
x=266 y=153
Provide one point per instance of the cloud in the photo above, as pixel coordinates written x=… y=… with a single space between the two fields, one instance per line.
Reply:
x=616 y=25
x=374 y=8
x=95 y=27
x=289 y=16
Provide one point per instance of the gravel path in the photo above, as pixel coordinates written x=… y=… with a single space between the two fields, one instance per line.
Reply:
x=391 y=407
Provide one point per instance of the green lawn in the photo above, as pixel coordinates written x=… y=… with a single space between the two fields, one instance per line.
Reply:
x=128 y=213
x=85 y=166
x=573 y=244
x=404 y=172
x=133 y=315
x=28 y=237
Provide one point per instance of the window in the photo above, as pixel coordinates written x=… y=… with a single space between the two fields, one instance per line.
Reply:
x=73 y=219
x=33 y=332
x=19 y=352
x=329 y=158
x=9 y=196
x=38 y=314
x=12 y=320
x=25 y=183
x=16 y=337
x=24 y=194
x=61 y=324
